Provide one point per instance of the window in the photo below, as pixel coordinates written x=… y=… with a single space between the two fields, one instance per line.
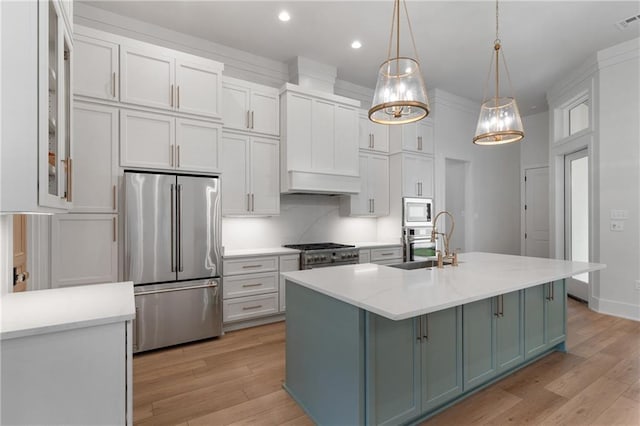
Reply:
x=578 y=117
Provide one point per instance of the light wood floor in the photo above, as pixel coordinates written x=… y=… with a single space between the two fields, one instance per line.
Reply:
x=237 y=379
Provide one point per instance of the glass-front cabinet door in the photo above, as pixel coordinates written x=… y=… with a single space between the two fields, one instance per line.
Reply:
x=55 y=162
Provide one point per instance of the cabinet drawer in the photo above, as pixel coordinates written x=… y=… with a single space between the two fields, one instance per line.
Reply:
x=386 y=253
x=249 y=285
x=250 y=307
x=250 y=265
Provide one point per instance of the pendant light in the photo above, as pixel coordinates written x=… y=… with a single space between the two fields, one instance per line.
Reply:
x=400 y=96
x=499 y=121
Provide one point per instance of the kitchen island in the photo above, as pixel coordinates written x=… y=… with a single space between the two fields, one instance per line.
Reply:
x=371 y=344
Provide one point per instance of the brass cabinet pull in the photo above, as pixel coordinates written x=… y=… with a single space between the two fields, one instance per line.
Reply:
x=373 y=140
x=419 y=329
x=248 y=119
x=553 y=291
x=253 y=202
x=115 y=230
x=425 y=331
x=247 y=308
x=251 y=285
x=171 y=95
x=252 y=121
x=171 y=155
x=179 y=222
x=69 y=180
x=178 y=157
x=172 y=202
x=251 y=266
x=178 y=97
x=373 y=205
x=113 y=85
x=115 y=207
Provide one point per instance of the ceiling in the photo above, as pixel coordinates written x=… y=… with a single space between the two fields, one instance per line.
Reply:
x=542 y=40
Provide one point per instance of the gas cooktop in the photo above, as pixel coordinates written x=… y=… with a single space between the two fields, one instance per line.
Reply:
x=320 y=255
x=317 y=246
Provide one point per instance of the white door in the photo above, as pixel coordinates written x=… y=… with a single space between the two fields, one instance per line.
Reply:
x=147 y=140
x=265 y=187
x=147 y=77
x=84 y=249
x=410 y=137
x=197 y=146
x=576 y=230
x=425 y=137
x=265 y=112
x=536 y=212
x=379 y=184
x=96 y=165
x=345 y=141
x=455 y=202
x=95 y=68
x=197 y=88
x=235 y=101
x=364 y=132
x=234 y=157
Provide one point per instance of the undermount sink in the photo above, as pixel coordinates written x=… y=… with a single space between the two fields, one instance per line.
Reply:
x=423 y=264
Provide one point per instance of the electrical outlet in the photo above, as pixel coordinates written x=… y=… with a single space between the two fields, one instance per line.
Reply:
x=619 y=214
x=617 y=225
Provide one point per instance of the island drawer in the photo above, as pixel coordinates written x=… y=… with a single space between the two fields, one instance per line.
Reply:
x=387 y=253
x=244 y=308
x=249 y=265
x=250 y=285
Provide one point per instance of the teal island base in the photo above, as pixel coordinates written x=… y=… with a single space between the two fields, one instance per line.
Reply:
x=348 y=366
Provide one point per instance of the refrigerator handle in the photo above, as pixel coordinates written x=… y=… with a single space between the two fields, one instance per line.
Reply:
x=173 y=265
x=180 y=266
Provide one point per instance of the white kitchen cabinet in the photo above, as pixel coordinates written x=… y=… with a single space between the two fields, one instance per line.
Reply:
x=96 y=166
x=415 y=137
x=373 y=199
x=161 y=78
x=417 y=175
x=84 y=249
x=250 y=107
x=95 y=68
x=319 y=142
x=249 y=175
x=288 y=263
x=161 y=141
x=372 y=136
x=36 y=108
x=381 y=255
x=197 y=146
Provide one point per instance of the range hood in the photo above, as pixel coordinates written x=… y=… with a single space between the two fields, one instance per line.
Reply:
x=319 y=133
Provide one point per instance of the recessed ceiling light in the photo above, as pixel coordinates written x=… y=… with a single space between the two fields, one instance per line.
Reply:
x=284 y=16
x=356 y=44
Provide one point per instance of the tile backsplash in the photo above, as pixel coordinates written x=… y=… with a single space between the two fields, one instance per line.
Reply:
x=303 y=218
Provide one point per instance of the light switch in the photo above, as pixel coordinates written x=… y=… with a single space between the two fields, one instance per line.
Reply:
x=619 y=214
x=617 y=225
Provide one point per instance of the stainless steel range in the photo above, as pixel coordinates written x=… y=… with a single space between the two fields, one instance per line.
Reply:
x=321 y=255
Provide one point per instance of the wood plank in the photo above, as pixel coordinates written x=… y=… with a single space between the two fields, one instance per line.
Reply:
x=477 y=409
x=623 y=411
x=596 y=343
x=583 y=375
x=633 y=392
x=588 y=404
x=538 y=404
x=626 y=371
x=273 y=417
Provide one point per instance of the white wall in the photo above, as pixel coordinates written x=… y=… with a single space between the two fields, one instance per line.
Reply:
x=619 y=177
x=303 y=219
x=534 y=148
x=493 y=213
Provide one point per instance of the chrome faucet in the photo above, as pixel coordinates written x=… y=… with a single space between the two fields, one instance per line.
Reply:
x=446 y=238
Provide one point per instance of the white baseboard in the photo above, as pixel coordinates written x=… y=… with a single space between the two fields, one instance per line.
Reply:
x=618 y=309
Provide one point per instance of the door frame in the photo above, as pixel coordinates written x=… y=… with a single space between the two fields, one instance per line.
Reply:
x=523 y=201
x=441 y=201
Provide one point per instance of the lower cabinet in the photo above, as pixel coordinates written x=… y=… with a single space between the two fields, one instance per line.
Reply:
x=84 y=249
x=381 y=256
x=544 y=317
x=287 y=263
x=493 y=337
x=414 y=365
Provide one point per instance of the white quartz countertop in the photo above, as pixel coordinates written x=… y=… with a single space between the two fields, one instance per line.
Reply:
x=399 y=294
x=231 y=253
x=48 y=311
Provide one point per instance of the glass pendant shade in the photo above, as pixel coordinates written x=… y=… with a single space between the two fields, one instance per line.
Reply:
x=400 y=96
x=499 y=122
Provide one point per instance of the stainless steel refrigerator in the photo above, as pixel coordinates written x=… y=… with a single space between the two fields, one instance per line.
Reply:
x=173 y=256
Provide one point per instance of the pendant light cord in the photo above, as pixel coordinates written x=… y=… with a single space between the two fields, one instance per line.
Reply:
x=395 y=25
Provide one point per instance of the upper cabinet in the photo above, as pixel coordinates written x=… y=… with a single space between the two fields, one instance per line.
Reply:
x=250 y=107
x=415 y=137
x=373 y=199
x=319 y=152
x=36 y=107
x=96 y=68
x=372 y=136
x=119 y=69
x=162 y=78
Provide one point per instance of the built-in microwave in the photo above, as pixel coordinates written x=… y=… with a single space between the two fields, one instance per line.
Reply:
x=417 y=211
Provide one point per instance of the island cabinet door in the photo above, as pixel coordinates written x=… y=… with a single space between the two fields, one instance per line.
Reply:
x=534 y=320
x=393 y=370
x=556 y=301
x=441 y=357
x=479 y=342
x=509 y=331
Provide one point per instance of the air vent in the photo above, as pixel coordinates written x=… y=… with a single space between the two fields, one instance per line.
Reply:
x=624 y=24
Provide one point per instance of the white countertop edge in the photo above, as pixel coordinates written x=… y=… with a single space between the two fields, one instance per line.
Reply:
x=268 y=251
x=62 y=309
x=370 y=245
x=364 y=304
